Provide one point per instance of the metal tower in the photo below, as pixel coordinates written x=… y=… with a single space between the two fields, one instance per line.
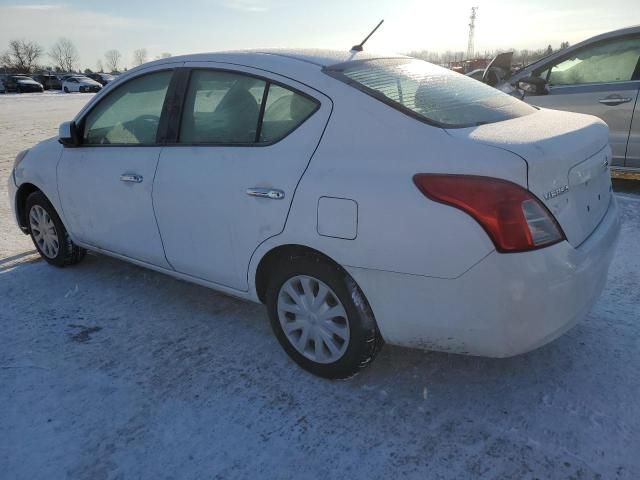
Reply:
x=472 y=28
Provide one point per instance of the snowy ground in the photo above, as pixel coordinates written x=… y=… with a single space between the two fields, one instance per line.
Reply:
x=111 y=371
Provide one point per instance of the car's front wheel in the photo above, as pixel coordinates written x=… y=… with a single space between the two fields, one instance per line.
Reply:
x=321 y=317
x=66 y=90
x=49 y=235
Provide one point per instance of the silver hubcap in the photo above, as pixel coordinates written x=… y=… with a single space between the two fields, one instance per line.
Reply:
x=44 y=231
x=313 y=319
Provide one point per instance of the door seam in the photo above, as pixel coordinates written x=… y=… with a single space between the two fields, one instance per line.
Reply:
x=153 y=208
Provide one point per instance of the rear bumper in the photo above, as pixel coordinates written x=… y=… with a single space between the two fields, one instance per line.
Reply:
x=505 y=305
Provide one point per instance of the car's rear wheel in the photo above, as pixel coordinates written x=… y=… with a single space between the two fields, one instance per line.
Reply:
x=321 y=318
x=66 y=90
x=49 y=235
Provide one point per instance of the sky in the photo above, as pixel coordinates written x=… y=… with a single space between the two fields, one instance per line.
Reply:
x=189 y=26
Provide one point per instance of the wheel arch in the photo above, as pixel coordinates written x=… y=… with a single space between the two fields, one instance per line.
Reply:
x=281 y=252
x=22 y=194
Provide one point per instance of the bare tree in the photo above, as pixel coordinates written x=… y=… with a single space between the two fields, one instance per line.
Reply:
x=112 y=60
x=21 y=56
x=99 y=66
x=140 y=56
x=64 y=54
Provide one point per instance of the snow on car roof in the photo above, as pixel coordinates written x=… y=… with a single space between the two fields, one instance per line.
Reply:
x=325 y=58
x=319 y=57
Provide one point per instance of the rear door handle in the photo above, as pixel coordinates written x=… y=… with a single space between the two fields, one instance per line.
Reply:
x=272 y=193
x=614 y=100
x=131 y=177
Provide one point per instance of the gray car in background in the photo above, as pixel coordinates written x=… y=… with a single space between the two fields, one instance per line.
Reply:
x=599 y=76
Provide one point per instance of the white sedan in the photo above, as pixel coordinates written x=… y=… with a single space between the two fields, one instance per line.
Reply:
x=80 y=83
x=361 y=198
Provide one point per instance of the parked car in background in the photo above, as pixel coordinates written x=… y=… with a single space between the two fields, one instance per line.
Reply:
x=80 y=83
x=101 y=78
x=279 y=177
x=476 y=74
x=22 y=84
x=599 y=76
x=48 y=81
x=496 y=72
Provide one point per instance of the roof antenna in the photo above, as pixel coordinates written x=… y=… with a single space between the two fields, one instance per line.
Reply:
x=358 y=48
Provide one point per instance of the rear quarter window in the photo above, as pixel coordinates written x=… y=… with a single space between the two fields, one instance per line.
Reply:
x=430 y=93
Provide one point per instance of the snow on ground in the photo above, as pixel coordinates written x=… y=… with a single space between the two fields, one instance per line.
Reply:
x=108 y=370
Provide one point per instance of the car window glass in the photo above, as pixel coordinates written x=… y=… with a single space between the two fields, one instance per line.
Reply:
x=543 y=74
x=613 y=61
x=284 y=111
x=131 y=114
x=222 y=108
x=430 y=92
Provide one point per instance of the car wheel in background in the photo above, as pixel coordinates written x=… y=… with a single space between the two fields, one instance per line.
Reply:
x=321 y=317
x=48 y=234
x=66 y=90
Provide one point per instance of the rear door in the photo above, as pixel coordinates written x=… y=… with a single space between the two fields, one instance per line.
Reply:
x=633 y=147
x=226 y=180
x=601 y=79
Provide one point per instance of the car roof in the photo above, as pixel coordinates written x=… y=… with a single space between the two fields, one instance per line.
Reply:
x=324 y=58
x=610 y=34
x=318 y=57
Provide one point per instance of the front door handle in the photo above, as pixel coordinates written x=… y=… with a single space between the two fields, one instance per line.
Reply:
x=131 y=177
x=272 y=193
x=614 y=100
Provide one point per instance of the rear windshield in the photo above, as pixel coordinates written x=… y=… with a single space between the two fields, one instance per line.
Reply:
x=430 y=93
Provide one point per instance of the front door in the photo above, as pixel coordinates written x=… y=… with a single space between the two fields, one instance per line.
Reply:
x=226 y=183
x=106 y=182
x=633 y=147
x=600 y=79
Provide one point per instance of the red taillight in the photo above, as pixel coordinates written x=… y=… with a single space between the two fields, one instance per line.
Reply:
x=514 y=219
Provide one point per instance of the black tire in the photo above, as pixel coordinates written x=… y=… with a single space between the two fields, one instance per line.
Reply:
x=18 y=90
x=66 y=90
x=365 y=340
x=68 y=252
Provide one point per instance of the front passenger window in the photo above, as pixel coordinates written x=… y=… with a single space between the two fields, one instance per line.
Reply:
x=613 y=61
x=131 y=114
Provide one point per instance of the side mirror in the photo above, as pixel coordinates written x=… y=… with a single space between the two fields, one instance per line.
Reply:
x=533 y=86
x=67 y=134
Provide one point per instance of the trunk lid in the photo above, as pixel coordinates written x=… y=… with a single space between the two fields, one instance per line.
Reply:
x=568 y=160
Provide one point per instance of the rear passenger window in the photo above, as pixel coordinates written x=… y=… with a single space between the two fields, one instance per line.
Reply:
x=222 y=108
x=285 y=110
